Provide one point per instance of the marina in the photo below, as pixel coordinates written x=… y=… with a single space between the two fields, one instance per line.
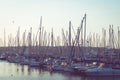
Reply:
x=75 y=56
x=59 y=40
x=24 y=72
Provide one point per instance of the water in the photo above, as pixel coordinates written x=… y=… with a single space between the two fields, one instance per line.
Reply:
x=11 y=71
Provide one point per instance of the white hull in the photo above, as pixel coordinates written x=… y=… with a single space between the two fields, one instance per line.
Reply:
x=58 y=68
x=34 y=64
x=102 y=72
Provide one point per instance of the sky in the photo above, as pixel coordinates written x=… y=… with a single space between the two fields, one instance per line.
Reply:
x=56 y=14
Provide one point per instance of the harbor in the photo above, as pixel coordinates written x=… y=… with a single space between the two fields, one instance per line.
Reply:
x=73 y=54
x=78 y=55
x=18 y=72
x=59 y=40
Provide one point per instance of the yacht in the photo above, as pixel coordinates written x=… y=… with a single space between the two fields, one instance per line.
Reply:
x=102 y=71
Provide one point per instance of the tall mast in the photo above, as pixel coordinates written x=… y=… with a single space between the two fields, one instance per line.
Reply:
x=103 y=37
x=110 y=36
x=52 y=38
x=69 y=42
x=113 y=45
x=4 y=38
x=18 y=39
x=23 y=42
x=82 y=32
x=40 y=33
x=24 y=35
x=30 y=40
x=85 y=30
x=118 y=38
x=69 y=33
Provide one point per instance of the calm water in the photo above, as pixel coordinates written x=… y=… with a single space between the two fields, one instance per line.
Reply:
x=11 y=71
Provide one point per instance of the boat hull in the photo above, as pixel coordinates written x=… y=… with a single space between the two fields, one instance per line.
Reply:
x=102 y=72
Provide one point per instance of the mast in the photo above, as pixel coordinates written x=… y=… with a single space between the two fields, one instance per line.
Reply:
x=118 y=38
x=110 y=36
x=69 y=33
x=85 y=30
x=18 y=40
x=113 y=45
x=82 y=32
x=24 y=35
x=69 y=43
x=4 y=37
x=40 y=33
x=78 y=36
x=30 y=40
x=23 y=43
x=4 y=41
x=103 y=38
x=52 y=38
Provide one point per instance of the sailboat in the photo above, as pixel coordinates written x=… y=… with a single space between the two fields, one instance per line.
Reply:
x=102 y=71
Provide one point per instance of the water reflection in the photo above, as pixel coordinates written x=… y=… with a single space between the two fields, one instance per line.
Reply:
x=103 y=78
x=11 y=71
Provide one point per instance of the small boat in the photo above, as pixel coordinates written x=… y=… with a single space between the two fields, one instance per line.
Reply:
x=3 y=56
x=68 y=68
x=25 y=62
x=34 y=63
x=78 y=68
x=102 y=71
x=57 y=68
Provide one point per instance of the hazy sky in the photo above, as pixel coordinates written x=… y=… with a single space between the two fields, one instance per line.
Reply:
x=57 y=14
